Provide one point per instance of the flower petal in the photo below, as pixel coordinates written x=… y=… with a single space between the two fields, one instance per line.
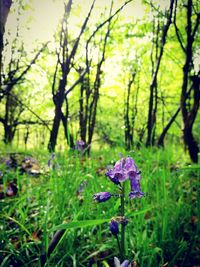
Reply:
x=116 y=262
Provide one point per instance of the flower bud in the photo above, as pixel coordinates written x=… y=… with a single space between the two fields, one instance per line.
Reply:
x=102 y=196
x=114 y=227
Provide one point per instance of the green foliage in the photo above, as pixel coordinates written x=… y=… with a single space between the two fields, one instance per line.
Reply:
x=128 y=49
x=162 y=227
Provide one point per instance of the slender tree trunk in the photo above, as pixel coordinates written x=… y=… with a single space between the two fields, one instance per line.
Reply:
x=153 y=86
x=83 y=110
x=65 y=60
x=68 y=134
x=97 y=83
x=4 y=10
x=55 y=128
x=165 y=130
x=128 y=128
x=189 y=114
x=9 y=128
x=58 y=99
x=191 y=143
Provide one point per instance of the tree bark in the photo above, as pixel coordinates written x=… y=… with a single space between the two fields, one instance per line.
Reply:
x=165 y=130
x=153 y=86
x=4 y=10
x=189 y=114
x=58 y=101
x=65 y=60
x=128 y=128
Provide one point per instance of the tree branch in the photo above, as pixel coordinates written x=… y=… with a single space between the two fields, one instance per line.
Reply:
x=43 y=121
x=196 y=25
x=77 y=82
x=73 y=52
x=177 y=30
x=16 y=80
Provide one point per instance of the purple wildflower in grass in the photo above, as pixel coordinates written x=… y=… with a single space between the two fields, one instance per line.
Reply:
x=82 y=186
x=118 y=264
x=51 y=160
x=102 y=196
x=9 y=163
x=122 y=170
x=135 y=186
x=124 y=221
x=114 y=227
x=80 y=145
x=112 y=177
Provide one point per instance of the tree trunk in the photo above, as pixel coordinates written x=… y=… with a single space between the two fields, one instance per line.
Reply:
x=128 y=126
x=165 y=130
x=191 y=143
x=8 y=121
x=189 y=114
x=4 y=10
x=153 y=87
x=55 y=128
x=68 y=134
x=8 y=134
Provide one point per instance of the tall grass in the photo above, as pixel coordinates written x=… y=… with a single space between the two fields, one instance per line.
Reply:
x=163 y=226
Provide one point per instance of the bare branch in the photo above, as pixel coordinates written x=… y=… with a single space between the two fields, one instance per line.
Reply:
x=16 y=80
x=28 y=122
x=31 y=63
x=178 y=34
x=196 y=25
x=54 y=78
x=77 y=82
x=107 y=20
x=33 y=112
x=73 y=52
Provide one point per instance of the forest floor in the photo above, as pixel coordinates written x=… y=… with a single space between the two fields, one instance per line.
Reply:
x=42 y=193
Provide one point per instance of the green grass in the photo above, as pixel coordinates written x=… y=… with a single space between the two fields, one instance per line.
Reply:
x=163 y=226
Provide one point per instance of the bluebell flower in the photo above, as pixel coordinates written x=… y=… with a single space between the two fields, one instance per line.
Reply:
x=82 y=186
x=80 y=145
x=114 y=227
x=51 y=159
x=135 y=186
x=102 y=196
x=122 y=170
x=118 y=264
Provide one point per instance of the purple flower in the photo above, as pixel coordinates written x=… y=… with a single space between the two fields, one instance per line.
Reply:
x=114 y=227
x=82 y=186
x=135 y=186
x=122 y=170
x=9 y=163
x=124 y=221
x=112 y=177
x=101 y=196
x=51 y=160
x=80 y=145
x=117 y=263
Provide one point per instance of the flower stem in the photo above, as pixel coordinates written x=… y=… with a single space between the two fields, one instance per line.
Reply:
x=118 y=243
x=122 y=254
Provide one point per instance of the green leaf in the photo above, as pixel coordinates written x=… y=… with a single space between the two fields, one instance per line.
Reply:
x=20 y=224
x=105 y=264
x=134 y=213
x=79 y=224
x=191 y=167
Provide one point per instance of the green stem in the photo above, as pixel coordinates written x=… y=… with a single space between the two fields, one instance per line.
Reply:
x=122 y=225
x=118 y=243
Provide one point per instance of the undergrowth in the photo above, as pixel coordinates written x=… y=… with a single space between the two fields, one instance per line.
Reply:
x=163 y=226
